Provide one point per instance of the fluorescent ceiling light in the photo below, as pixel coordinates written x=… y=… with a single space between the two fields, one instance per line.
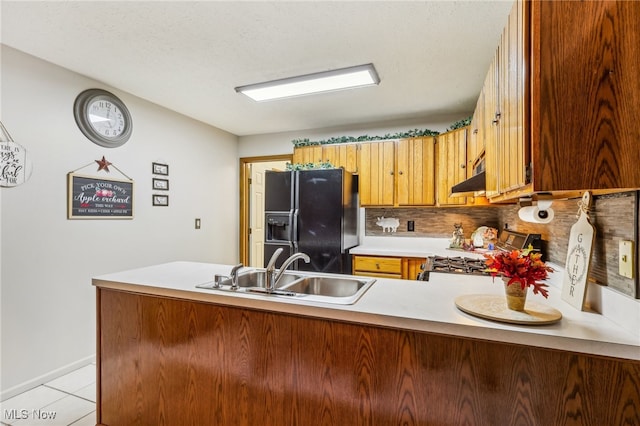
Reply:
x=344 y=78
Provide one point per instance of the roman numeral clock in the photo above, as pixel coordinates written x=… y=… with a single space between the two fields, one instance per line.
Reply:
x=103 y=118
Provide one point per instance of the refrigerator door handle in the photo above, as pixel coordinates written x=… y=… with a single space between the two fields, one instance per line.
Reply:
x=294 y=232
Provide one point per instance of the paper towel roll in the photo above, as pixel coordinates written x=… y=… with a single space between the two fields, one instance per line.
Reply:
x=534 y=214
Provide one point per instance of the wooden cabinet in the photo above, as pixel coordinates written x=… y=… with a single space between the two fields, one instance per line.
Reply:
x=416 y=172
x=406 y=268
x=452 y=165
x=307 y=154
x=398 y=173
x=342 y=155
x=174 y=361
x=339 y=155
x=564 y=82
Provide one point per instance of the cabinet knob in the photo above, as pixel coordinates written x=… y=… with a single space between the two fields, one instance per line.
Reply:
x=391 y=172
x=462 y=166
x=400 y=172
x=377 y=266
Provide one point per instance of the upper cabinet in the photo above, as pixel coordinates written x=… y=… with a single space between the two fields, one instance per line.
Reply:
x=452 y=165
x=566 y=100
x=339 y=155
x=398 y=173
x=416 y=172
x=505 y=109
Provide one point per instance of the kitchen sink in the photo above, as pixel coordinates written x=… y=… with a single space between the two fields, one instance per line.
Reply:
x=251 y=278
x=327 y=288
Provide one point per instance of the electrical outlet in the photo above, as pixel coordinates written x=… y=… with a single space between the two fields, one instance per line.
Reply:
x=197 y=223
x=626 y=259
x=411 y=225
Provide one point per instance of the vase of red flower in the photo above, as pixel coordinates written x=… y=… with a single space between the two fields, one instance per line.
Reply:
x=519 y=269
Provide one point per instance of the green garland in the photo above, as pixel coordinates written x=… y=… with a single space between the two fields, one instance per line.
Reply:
x=460 y=123
x=309 y=166
x=416 y=133
x=345 y=139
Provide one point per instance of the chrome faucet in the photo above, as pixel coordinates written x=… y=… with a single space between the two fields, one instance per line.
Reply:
x=273 y=276
x=233 y=276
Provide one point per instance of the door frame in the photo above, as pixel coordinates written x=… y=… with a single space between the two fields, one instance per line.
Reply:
x=245 y=175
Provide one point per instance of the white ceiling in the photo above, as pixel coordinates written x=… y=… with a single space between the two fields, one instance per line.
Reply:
x=432 y=56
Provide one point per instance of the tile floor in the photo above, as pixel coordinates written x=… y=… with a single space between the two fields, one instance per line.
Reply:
x=65 y=401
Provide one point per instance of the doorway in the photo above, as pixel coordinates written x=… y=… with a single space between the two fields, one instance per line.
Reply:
x=252 y=205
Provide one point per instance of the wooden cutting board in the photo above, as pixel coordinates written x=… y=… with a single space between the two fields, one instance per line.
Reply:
x=578 y=264
x=494 y=307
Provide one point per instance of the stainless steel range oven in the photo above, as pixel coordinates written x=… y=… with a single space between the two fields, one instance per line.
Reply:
x=509 y=240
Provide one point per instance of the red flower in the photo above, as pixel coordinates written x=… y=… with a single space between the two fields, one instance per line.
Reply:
x=523 y=266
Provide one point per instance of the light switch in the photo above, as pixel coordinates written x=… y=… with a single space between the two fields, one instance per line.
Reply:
x=626 y=259
x=197 y=223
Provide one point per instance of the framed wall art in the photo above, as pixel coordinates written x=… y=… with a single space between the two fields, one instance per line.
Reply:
x=160 y=200
x=161 y=184
x=89 y=197
x=160 y=169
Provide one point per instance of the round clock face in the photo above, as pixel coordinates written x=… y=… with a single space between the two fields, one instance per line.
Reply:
x=103 y=118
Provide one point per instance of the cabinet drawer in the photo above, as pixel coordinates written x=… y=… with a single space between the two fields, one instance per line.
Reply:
x=378 y=275
x=390 y=265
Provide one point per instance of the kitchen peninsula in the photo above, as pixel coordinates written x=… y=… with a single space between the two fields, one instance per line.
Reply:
x=170 y=353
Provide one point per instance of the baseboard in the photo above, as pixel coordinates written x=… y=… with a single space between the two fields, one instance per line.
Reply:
x=45 y=378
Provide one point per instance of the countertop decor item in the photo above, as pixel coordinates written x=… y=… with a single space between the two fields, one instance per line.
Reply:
x=489 y=306
x=520 y=269
x=103 y=118
x=581 y=239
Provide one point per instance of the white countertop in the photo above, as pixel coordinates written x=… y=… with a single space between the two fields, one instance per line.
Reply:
x=409 y=247
x=412 y=305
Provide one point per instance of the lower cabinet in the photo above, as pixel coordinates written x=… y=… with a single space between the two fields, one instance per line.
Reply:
x=402 y=268
x=179 y=362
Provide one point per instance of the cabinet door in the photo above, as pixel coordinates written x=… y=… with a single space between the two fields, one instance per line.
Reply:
x=307 y=154
x=490 y=127
x=377 y=170
x=416 y=172
x=342 y=155
x=586 y=84
x=475 y=141
x=452 y=162
x=512 y=158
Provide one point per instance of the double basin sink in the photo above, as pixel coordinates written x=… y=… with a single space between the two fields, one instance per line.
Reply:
x=315 y=287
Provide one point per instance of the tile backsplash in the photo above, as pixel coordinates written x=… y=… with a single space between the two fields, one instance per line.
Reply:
x=614 y=217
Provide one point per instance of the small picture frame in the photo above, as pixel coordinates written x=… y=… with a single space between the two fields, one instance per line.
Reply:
x=160 y=169
x=160 y=200
x=160 y=184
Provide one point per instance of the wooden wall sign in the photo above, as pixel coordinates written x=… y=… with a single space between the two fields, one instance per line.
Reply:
x=581 y=238
x=90 y=197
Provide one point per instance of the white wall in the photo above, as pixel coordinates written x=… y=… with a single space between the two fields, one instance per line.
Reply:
x=280 y=143
x=48 y=303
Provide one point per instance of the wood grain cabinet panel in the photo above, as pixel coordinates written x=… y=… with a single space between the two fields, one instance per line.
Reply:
x=416 y=172
x=405 y=268
x=164 y=361
x=452 y=165
x=339 y=155
x=377 y=174
x=307 y=154
x=398 y=173
x=342 y=155
x=562 y=100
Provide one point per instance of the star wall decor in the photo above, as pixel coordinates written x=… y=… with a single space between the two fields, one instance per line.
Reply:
x=103 y=164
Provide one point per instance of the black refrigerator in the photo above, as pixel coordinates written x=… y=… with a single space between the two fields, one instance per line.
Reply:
x=313 y=212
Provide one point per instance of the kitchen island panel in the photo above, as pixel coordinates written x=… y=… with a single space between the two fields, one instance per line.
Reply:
x=178 y=362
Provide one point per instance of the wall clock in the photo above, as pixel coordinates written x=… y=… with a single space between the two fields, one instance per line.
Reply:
x=103 y=118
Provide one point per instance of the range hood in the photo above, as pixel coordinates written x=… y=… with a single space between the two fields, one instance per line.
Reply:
x=475 y=183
